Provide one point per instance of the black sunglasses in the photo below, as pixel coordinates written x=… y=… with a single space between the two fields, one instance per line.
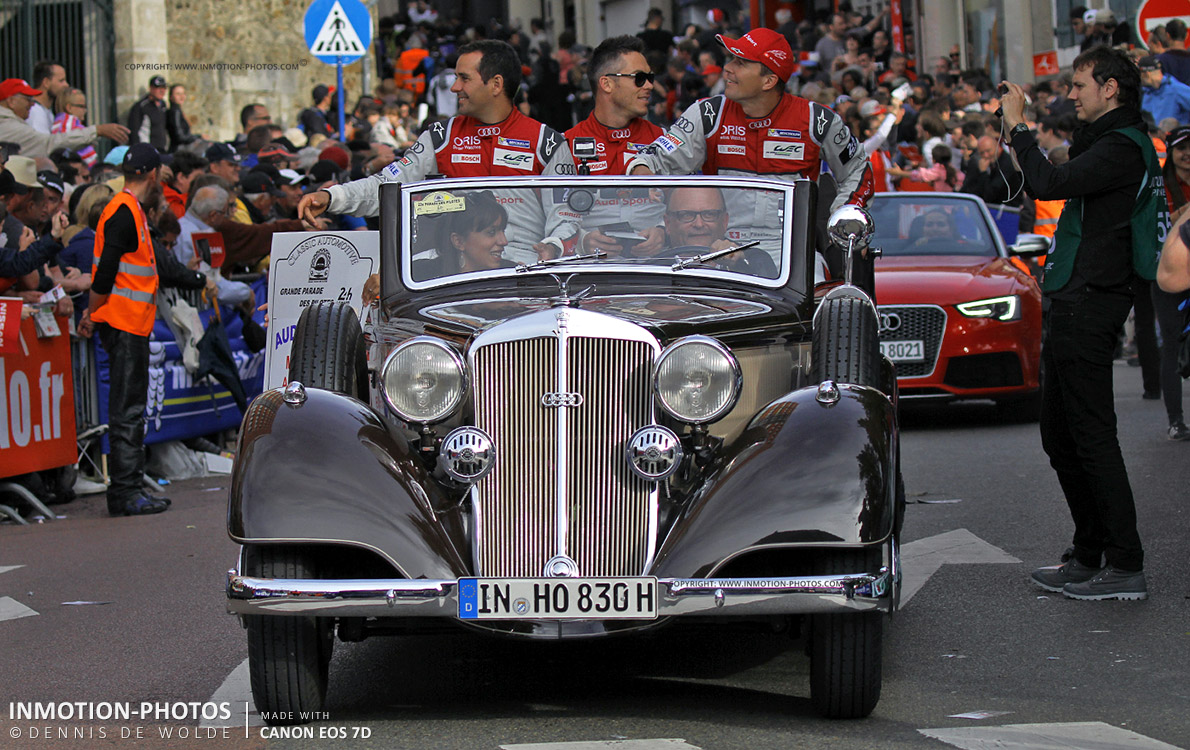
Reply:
x=640 y=77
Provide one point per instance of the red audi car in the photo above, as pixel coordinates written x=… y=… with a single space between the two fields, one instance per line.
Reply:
x=959 y=314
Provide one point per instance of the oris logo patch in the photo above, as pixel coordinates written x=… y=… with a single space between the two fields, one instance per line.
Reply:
x=734 y=130
x=466 y=141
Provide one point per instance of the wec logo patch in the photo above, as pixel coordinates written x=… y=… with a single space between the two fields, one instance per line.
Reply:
x=784 y=150
x=502 y=157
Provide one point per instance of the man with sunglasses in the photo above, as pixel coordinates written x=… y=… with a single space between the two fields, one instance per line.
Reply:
x=489 y=137
x=756 y=128
x=622 y=82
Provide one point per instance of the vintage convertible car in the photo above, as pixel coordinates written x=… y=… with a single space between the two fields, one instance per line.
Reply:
x=960 y=314
x=678 y=425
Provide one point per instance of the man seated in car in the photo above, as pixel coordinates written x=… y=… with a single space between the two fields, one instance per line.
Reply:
x=935 y=229
x=696 y=218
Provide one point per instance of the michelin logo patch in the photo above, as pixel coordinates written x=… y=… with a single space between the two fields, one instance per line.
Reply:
x=784 y=150
x=502 y=157
x=513 y=142
x=779 y=133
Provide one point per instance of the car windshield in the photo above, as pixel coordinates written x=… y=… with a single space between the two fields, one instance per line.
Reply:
x=467 y=228
x=924 y=225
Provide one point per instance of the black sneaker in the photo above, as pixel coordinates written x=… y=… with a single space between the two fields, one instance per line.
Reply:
x=1179 y=431
x=1055 y=577
x=1110 y=583
x=140 y=506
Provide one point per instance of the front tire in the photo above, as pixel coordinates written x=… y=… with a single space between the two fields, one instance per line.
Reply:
x=846 y=343
x=329 y=351
x=846 y=649
x=288 y=656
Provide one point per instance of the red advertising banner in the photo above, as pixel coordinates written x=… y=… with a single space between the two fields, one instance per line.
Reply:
x=898 y=25
x=1045 y=63
x=10 y=325
x=37 y=404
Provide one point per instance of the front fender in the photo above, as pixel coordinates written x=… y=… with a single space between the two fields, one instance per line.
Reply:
x=329 y=470
x=802 y=474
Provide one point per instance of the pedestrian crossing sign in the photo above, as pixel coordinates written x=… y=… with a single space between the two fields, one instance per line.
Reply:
x=338 y=31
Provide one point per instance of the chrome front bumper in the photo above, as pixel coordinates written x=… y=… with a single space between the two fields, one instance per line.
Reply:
x=726 y=597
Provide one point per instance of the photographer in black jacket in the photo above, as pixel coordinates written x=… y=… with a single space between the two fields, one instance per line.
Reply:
x=1107 y=240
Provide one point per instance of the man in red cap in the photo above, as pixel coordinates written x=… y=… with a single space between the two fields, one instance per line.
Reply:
x=16 y=99
x=756 y=128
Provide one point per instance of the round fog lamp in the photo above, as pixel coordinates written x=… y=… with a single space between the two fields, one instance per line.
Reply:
x=467 y=454
x=654 y=453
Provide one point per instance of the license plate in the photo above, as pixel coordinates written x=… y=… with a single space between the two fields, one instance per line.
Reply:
x=903 y=351
x=557 y=598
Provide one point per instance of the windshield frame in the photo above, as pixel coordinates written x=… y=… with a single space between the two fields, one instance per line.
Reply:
x=790 y=267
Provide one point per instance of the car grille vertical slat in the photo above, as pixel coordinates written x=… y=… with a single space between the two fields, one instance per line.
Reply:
x=610 y=510
x=926 y=323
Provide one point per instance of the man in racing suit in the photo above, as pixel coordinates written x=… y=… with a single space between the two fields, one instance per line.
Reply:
x=755 y=128
x=622 y=82
x=489 y=137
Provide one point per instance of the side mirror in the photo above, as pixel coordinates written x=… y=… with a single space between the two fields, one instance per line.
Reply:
x=1030 y=245
x=851 y=226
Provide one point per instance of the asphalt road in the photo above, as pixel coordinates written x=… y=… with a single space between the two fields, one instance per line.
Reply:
x=975 y=637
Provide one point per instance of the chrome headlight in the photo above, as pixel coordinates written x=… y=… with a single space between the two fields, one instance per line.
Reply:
x=697 y=379
x=424 y=380
x=998 y=308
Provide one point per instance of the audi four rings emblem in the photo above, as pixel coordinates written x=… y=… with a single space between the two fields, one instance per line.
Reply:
x=889 y=321
x=486 y=132
x=562 y=400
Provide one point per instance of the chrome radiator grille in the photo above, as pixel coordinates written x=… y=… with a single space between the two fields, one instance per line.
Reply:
x=926 y=323
x=544 y=453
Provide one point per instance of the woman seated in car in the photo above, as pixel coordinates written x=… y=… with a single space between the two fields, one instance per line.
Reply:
x=935 y=228
x=467 y=241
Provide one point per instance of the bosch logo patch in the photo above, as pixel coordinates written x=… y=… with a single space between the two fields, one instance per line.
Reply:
x=466 y=158
x=736 y=149
x=488 y=132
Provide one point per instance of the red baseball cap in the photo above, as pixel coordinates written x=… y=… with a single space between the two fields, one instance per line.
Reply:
x=12 y=86
x=764 y=46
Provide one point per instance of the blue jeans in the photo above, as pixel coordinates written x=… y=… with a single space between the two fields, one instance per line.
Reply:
x=1078 y=428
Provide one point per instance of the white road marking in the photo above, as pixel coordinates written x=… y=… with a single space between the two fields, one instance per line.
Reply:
x=923 y=558
x=11 y=609
x=660 y=744
x=1084 y=735
x=237 y=691
x=6 y=568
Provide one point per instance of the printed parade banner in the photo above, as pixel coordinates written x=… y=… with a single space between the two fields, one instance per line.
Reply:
x=36 y=398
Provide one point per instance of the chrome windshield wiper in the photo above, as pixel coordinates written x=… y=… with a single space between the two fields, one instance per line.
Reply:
x=687 y=262
x=559 y=261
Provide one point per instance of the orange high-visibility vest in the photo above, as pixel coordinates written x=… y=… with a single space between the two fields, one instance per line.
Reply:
x=1047 y=217
x=403 y=75
x=131 y=306
x=1159 y=146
